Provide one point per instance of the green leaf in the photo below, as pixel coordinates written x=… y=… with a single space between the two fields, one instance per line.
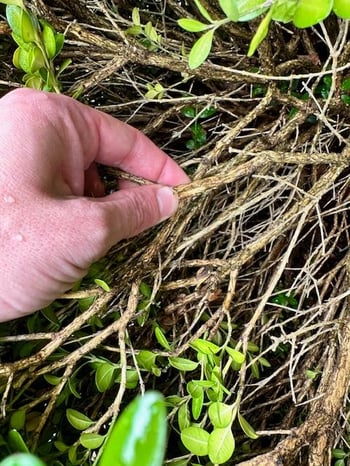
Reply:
x=59 y=38
x=247 y=428
x=250 y=9
x=139 y=434
x=284 y=10
x=146 y=359
x=49 y=39
x=105 y=376
x=340 y=463
x=145 y=290
x=16 y=442
x=260 y=33
x=102 y=284
x=342 y=8
x=78 y=420
x=203 y=11
x=221 y=445
x=208 y=112
x=201 y=50
x=205 y=347
x=19 y=41
x=230 y=9
x=17 y=419
x=22 y=459
x=235 y=355
x=52 y=379
x=135 y=15
x=194 y=389
x=63 y=66
x=183 y=417
x=91 y=441
x=189 y=112
x=220 y=414
x=183 y=364
x=345 y=85
x=161 y=338
x=21 y=23
x=197 y=405
x=195 y=439
x=192 y=25
x=310 y=12
x=338 y=453
x=13 y=2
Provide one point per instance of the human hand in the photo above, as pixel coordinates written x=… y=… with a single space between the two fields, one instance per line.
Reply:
x=50 y=231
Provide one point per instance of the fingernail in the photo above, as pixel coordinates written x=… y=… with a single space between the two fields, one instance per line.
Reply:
x=167 y=202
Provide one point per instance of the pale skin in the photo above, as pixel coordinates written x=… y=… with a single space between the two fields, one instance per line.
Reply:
x=55 y=219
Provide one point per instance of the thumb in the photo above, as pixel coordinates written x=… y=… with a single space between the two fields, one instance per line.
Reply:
x=121 y=215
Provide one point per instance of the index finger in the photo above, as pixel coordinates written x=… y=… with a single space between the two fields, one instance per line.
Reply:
x=111 y=142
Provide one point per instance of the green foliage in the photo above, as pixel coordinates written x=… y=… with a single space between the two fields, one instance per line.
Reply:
x=302 y=13
x=199 y=134
x=38 y=46
x=139 y=434
x=146 y=34
x=22 y=459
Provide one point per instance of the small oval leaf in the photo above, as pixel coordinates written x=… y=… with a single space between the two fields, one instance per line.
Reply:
x=183 y=364
x=221 y=445
x=247 y=428
x=220 y=414
x=104 y=376
x=78 y=420
x=192 y=25
x=91 y=441
x=195 y=440
x=201 y=49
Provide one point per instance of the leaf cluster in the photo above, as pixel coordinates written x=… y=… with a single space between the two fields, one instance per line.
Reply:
x=38 y=46
x=302 y=13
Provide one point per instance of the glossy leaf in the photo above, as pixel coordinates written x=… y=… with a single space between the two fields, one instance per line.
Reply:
x=104 y=376
x=183 y=364
x=139 y=434
x=195 y=440
x=310 y=12
x=59 y=38
x=78 y=420
x=201 y=49
x=203 y=11
x=21 y=23
x=16 y=442
x=342 y=8
x=22 y=459
x=260 y=34
x=161 y=338
x=192 y=25
x=183 y=417
x=230 y=9
x=247 y=428
x=49 y=39
x=220 y=414
x=36 y=59
x=197 y=405
x=91 y=441
x=205 y=347
x=221 y=445
x=102 y=284
x=235 y=355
